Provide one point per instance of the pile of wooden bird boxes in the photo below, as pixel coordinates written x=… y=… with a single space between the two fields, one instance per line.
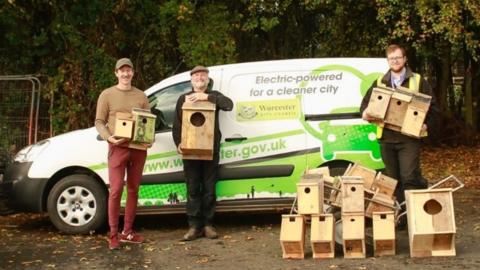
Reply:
x=368 y=193
x=137 y=126
x=310 y=205
x=379 y=189
x=363 y=192
x=400 y=110
x=198 y=124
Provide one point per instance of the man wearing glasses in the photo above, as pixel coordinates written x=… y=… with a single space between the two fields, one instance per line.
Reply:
x=401 y=153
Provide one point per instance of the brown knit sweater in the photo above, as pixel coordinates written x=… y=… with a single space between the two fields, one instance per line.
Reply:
x=113 y=100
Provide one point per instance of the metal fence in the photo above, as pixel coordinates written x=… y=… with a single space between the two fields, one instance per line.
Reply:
x=24 y=115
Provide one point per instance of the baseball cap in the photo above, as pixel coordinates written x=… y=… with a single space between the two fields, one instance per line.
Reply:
x=123 y=62
x=198 y=69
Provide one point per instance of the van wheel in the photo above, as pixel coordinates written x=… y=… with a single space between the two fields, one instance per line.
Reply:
x=77 y=204
x=338 y=168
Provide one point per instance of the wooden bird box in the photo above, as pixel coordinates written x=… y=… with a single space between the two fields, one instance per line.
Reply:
x=379 y=101
x=383 y=233
x=198 y=123
x=367 y=174
x=310 y=194
x=379 y=203
x=431 y=222
x=397 y=108
x=384 y=184
x=322 y=236
x=292 y=236
x=123 y=125
x=352 y=191
x=144 y=126
x=415 y=115
x=353 y=234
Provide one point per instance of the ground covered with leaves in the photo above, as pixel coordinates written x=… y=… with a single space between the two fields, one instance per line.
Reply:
x=29 y=241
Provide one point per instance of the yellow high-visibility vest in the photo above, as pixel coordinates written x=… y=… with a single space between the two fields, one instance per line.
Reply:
x=413 y=86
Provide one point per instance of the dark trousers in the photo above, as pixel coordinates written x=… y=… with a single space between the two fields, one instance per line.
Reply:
x=201 y=177
x=402 y=162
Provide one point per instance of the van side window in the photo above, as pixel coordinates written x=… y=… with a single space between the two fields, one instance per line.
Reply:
x=162 y=104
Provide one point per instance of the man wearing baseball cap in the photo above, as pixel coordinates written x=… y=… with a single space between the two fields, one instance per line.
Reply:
x=123 y=156
x=201 y=175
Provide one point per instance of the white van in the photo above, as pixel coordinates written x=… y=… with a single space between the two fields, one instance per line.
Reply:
x=288 y=116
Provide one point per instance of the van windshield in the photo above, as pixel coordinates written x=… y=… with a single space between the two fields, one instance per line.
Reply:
x=162 y=104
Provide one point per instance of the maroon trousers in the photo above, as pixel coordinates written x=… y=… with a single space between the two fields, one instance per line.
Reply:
x=123 y=160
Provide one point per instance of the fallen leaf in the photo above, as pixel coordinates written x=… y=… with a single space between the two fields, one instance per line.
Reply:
x=202 y=260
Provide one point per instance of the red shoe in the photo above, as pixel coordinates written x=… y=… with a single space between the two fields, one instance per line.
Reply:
x=114 y=243
x=131 y=238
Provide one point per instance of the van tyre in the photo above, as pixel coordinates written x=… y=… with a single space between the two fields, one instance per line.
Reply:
x=77 y=204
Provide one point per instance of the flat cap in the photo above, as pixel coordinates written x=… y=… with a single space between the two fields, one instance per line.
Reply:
x=198 y=69
x=123 y=62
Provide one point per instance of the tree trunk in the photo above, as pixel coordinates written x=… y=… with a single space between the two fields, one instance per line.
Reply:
x=444 y=79
x=475 y=95
x=467 y=88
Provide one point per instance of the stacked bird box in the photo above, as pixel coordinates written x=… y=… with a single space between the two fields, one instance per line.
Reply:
x=399 y=109
x=353 y=217
x=383 y=233
x=123 y=125
x=310 y=206
x=379 y=188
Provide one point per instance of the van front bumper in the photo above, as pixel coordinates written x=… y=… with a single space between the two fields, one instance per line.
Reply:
x=23 y=193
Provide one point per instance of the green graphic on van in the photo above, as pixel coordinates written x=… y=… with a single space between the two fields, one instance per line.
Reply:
x=268 y=110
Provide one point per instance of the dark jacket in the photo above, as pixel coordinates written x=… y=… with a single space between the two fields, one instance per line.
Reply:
x=222 y=103
x=424 y=88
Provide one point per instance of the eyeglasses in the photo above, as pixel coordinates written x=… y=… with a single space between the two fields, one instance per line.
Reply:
x=396 y=58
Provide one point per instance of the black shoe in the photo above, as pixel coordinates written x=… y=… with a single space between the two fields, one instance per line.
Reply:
x=192 y=234
x=210 y=232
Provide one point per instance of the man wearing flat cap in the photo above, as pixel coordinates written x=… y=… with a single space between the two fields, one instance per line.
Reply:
x=201 y=175
x=124 y=157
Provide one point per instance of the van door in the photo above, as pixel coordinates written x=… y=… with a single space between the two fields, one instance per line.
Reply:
x=163 y=181
x=264 y=145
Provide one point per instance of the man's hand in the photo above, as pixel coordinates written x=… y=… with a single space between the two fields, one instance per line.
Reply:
x=147 y=145
x=369 y=118
x=197 y=97
x=179 y=149
x=424 y=128
x=116 y=141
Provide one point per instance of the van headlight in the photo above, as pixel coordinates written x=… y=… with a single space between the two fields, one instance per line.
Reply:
x=30 y=152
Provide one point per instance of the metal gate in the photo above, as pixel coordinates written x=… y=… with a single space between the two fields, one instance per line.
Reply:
x=24 y=115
